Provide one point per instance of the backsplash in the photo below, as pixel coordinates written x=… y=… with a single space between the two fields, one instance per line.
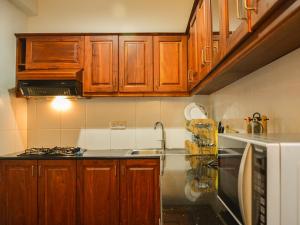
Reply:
x=87 y=122
x=272 y=90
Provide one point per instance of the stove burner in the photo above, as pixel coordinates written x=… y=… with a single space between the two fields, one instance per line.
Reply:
x=56 y=151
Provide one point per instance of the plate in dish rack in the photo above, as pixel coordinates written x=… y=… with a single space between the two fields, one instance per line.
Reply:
x=195 y=111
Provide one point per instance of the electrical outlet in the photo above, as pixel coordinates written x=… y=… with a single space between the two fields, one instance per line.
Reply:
x=118 y=125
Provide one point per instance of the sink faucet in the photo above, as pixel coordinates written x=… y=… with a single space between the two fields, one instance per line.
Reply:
x=163 y=135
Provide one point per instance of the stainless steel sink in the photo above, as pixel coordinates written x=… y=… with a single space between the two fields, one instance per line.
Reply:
x=145 y=152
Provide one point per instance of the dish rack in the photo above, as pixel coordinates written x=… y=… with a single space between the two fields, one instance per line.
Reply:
x=204 y=138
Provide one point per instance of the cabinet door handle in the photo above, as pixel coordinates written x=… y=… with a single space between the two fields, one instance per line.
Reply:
x=204 y=57
x=252 y=8
x=39 y=170
x=239 y=14
x=32 y=170
x=190 y=75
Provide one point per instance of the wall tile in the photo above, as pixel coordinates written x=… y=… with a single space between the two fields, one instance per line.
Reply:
x=97 y=139
x=101 y=111
x=21 y=113
x=20 y=140
x=31 y=114
x=73 y=137
x=47 y=117
x=122 y=139
x=74 y=118
x=48 y=138
x=176 y=137
x=147 y=112
x=147 y=138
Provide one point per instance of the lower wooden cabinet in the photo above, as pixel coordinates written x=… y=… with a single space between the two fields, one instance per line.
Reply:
x=18 y=192
x=140 y=192
x=98 y=192
x=57 y=192
x=82 y=192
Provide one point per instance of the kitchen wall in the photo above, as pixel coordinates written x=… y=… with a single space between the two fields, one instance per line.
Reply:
x=272 y=90
x=13 y=111
x=86 y=123
x=111 y=16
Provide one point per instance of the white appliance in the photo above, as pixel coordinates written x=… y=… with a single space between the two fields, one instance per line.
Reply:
x=259 y=178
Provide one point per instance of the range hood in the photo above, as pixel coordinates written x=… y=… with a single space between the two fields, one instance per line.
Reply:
x=58 y=82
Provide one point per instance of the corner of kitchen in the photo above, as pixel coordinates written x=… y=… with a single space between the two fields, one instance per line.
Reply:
x=174 y=112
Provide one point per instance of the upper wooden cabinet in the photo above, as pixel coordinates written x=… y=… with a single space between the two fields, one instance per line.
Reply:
x=193 y=53
x=18 y=192
x=260 y=9
x=170 y=63
x=237 y=22
x=98 y=192
x=53 y=52
x=140 y=192
x=204 y=38
x=57 y=192
x=135 y=64
x=101 y=64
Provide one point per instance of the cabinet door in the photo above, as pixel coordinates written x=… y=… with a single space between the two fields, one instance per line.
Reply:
x=136 y=64
x=57 y=192
x=193 y=73
x=98 y=192
x=101 y=64
x=140 y=192
x=204 y=39
x=170 y=63
x=261 y=8
x=53 y=52
x=238 y=20
x=18 y=192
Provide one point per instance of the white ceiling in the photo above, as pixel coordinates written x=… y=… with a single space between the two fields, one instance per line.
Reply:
x=111 y=16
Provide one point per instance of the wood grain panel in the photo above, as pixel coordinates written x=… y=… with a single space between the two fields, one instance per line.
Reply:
x=57 y=192
x=101 y=64
x=136 y=64
x=140 y=192
x=170 y=63
x=54 y=52
x=262 y=9
x=18 y=192
x=98 y=192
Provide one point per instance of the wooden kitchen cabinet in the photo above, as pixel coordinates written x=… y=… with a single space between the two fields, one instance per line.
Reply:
x=57 y=192
x=237 y=22
x=135 y=64
x=18 y=192
x=170 y=63
x=54 y=52
x=260 y=8
x=140 y=192
x=101 y=64
x=193 y=53
x=204 y=38
x=98 y=192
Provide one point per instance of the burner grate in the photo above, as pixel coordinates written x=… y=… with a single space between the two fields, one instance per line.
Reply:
x=56 y=151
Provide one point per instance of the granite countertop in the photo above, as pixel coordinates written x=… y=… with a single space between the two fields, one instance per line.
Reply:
x=95 y=154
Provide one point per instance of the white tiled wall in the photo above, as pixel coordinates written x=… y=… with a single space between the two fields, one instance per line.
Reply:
x=86 y=124
x=273 y=90
x=13 y=111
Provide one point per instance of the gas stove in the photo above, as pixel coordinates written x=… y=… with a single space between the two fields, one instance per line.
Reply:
x=56 y=151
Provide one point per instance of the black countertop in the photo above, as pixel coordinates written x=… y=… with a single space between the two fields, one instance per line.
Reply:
x=94 y=154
